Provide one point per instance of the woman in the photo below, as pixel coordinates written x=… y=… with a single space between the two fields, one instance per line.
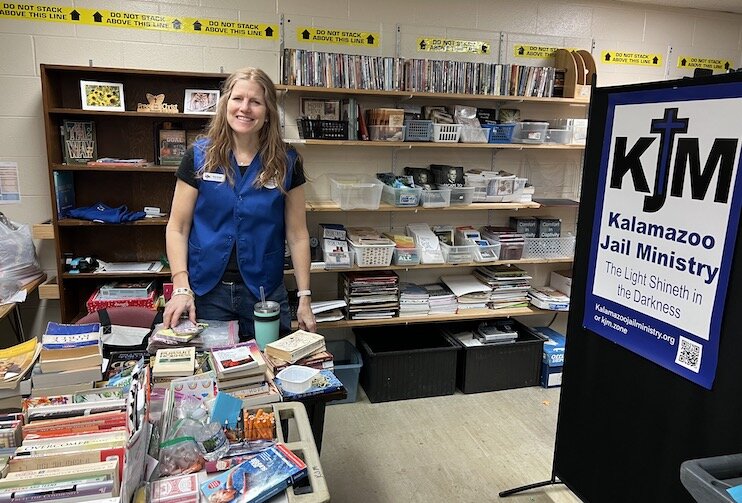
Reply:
x=239 y=195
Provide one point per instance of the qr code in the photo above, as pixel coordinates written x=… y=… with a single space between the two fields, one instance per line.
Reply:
x=689 y=354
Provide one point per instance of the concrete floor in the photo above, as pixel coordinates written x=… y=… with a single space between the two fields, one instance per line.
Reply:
x=457 y=448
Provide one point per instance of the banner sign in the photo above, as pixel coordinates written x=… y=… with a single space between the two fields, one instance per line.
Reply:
x=630 y=58
x=709 y=63
x=137 y=20
x=337 y=36
x=452 y=45
x=666 y=216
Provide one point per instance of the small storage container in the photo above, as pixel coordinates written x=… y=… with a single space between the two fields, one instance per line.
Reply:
x=498 y=366
x=372 y=255
x=404 y=196
x=562 y=136
x=462 y=254
x=406 y=362
x=461 y=196
x=530 y=132
x=296 y=378
x=488 y=253
x=406 y=256
x=356 y=191
x=501 y=133
x=418 y=130
x=549 y=247
x=475 y=135
x=386 y=133
x=317 y=129
x=435 y=198
x=446 y=132
x=347 y=363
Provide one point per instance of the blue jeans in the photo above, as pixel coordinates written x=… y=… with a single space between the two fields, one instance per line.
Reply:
x=234 y=301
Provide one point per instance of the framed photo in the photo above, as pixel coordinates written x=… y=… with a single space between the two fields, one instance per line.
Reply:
x=200 y=101
x=320 y=109
x=106 y=96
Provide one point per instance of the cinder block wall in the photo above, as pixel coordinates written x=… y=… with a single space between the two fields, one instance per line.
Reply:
x=608 y=25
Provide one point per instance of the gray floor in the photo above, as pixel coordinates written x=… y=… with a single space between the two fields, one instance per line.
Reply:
x=458 y=448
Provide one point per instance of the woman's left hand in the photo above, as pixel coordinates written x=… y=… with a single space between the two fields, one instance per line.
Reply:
x=305 y=316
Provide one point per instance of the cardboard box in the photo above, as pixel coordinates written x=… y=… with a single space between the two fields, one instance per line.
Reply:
x=553 y=357
x=562 y=281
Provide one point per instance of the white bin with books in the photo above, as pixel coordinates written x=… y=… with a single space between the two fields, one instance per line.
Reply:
x=373 y=253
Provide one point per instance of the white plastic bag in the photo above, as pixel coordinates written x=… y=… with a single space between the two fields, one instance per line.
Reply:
x=18 y=261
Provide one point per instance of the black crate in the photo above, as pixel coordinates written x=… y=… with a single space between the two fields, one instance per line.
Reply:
x=406 y=362
x=493 y=367
x=318 y=129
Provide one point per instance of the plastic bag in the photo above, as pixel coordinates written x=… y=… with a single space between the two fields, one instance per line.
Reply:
x=18 y=261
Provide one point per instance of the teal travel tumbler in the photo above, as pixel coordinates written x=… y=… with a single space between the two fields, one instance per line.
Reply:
x=267 y=317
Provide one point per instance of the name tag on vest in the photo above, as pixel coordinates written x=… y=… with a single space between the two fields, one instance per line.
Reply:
x=214 y=177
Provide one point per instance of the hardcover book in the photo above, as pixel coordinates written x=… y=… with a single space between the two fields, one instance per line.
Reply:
x=294 y=346
x=257 y=479
x=78 y=142
x=80 y=489
x=65 y=473
x=172 y=146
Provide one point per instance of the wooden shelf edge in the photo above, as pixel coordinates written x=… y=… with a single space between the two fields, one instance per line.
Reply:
x=468 y=314
x=333 y=207
x=165 y=273
x=422 y=94
x=554 y=260
x=144 y=169
x=49 y=289
x=76 y=222
x=43 y=231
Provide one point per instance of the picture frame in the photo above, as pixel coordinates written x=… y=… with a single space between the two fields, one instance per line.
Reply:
x=313 y=108
x=102 y=96
x=201 y=101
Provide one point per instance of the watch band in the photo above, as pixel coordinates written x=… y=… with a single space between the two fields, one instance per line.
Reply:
x=183 y=291
x=304 y=293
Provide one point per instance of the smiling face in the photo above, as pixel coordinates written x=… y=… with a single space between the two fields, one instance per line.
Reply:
x=246 y=109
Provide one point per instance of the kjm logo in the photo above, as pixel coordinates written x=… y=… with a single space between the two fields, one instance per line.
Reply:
x=687 y=155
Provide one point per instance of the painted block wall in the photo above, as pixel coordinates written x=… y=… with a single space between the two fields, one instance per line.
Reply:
x=607 y=25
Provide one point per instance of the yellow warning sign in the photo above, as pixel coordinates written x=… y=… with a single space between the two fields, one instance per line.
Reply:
x=630 y=58
x=710 y=63
x=452 y=45
x=341 y=37
x=534 y=51
x=136 y=20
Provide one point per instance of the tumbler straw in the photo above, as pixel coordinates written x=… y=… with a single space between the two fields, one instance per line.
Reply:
x=262 y=295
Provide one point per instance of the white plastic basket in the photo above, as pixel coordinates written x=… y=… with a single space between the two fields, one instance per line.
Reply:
x=549 y=247
x=457 y=254
x=446 y=132
x=376 y=255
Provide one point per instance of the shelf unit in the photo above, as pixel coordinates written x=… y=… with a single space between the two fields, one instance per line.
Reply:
x=127 y=134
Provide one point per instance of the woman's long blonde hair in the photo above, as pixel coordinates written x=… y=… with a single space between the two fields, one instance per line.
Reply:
x=272 y=149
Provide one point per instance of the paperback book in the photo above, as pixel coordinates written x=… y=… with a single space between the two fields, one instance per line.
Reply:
x=78 y=142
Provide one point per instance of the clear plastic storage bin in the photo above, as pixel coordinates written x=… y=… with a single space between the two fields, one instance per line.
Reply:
x=406 y=256
x=530 y=132
x=461 y=196
x=405 y=196
x=446 y=132
x=475 y=135
x=458 y=254
x=436 y=198
x=488 y=253
x=386 y=133
x=373 y=255
x=356 y=191
x=562 y=136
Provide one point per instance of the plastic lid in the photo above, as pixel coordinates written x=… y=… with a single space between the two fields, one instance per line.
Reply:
x=199 y=414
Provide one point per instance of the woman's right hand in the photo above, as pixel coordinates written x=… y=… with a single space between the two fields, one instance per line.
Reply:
x=177 y=306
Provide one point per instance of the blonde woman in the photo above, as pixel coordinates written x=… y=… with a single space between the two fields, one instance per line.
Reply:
x=238 y=196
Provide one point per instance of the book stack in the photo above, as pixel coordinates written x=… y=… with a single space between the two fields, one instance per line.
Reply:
x=509 y=285
x=335 y=250
x=371 y=295
x=441 y=299
x=413 y=300
x=69 y=361
x=238 y=366
x=317 y=360
x=15 y=364
x=470 y=292
x=546 y=297
x=173 y=362
x=294 y=347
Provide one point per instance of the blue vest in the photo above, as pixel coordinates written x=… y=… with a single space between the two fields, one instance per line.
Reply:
x=225 y=216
